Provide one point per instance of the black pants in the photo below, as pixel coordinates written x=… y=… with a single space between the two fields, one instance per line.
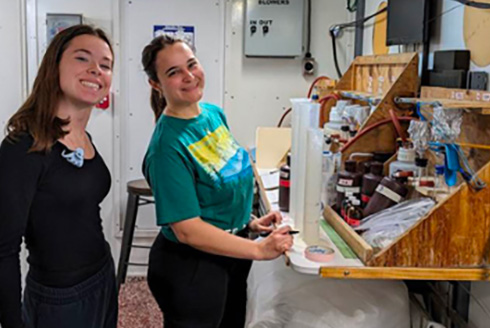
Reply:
x=195 y=289
x=90 y=304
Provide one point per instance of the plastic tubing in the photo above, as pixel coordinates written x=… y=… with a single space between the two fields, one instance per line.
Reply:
x=314 y=83
x=397 y=125
x=372 y=127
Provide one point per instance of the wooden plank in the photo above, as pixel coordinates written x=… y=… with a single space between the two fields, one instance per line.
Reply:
x=382 y=139
x=456 y=233
x=358 y=245
x=390 y=59
x=394 y=273
x=455 y=94
x=346 y=82
x=458 y=98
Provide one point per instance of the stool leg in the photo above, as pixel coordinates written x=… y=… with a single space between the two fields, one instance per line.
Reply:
x=127 y=240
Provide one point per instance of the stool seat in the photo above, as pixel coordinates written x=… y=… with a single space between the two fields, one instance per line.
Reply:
x=139 y=187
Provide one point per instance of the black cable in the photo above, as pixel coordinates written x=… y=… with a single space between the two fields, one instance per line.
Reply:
x=362 y=20
x=475 y=4
x=335 y=30
x=352 y=6
x=308 y=37
x=334 y=50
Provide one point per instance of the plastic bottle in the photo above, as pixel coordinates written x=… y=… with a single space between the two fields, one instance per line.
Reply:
x=366 y=167
x=345 y=132
x=421 y=164
x=388 y=193
x=346 y=204
x=440 y=183
x=335 y=120
x=284 y=185
x=405 y=162
x=354 y=213
x=329 y=178
x=348 y=181
x=370 y=181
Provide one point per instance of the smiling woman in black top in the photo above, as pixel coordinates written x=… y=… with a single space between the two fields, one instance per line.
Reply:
x=52 y=181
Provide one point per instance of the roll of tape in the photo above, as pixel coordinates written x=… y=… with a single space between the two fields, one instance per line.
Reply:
x=317 y=253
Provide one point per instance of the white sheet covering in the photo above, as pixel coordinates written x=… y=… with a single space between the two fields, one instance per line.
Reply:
x=279 y=297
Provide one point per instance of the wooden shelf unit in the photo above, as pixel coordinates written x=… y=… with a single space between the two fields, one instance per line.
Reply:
x=452 y=242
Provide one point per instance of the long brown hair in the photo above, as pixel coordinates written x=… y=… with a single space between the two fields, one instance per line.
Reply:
x=37 y=116
x=148 y=59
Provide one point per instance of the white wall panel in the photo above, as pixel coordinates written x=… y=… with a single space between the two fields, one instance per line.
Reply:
x=138 y=19
x=257 y=90
x=12 y=75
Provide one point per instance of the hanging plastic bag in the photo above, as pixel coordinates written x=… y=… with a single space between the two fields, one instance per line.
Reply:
x=380 y=229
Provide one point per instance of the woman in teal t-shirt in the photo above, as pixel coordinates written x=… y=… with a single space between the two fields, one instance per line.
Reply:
x=202 y=181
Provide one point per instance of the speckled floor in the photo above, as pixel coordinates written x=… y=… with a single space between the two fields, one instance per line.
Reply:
x=137 y=308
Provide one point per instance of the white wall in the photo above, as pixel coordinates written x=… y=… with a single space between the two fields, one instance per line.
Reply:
x=11 y=82
x=448 y=35
x=257 y=90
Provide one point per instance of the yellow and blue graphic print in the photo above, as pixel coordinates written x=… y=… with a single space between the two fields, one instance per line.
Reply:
x=220 y=155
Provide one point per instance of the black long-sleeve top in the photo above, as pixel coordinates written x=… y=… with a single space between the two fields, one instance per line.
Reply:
x=55 y=206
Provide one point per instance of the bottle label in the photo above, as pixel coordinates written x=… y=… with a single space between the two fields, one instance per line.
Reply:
x=284 y=183
x=352 y=222
x=284 y=175
x=354 y=190
x=388 y=193
x=345 y=182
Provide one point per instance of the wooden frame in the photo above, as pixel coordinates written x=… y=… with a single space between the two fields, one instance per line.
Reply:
x=453 y=241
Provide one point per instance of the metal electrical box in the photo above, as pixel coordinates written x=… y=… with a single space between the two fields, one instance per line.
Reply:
x=274 y=28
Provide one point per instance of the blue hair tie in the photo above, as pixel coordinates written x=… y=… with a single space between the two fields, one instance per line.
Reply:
x=75 y=157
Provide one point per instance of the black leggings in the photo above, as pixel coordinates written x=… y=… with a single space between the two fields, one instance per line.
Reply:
x=195 y=289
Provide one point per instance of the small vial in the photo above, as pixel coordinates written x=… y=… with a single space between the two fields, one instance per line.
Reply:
x=346 y=204
x=354 y=213
x=345 y=132
x=440 y=185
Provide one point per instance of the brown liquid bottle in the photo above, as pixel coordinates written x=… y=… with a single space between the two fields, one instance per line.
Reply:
x=370 y=181
x=389 y=192
x=353 y=215
x=284 y=185
x=348 y=181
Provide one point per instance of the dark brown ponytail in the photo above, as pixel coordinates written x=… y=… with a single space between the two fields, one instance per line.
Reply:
x=158 y=103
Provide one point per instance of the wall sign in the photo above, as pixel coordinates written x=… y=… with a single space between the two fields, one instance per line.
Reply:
x=56 y=23
x=185 y=33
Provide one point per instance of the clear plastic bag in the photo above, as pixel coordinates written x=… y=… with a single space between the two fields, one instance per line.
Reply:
x=380 y=229
x=446 y=124
x=420 y=134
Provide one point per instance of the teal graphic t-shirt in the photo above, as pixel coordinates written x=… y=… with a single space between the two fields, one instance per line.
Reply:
x=197 y=169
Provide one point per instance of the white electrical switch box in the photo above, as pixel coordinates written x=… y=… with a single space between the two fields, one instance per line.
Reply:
x=274 y=28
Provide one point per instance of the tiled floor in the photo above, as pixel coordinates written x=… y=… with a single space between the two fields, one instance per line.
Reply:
x=137 y=308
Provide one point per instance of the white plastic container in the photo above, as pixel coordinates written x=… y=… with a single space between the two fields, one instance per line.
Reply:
x=405 y=162
x=335 y=119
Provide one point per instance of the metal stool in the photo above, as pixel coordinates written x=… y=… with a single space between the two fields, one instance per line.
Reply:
x=137 y=189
